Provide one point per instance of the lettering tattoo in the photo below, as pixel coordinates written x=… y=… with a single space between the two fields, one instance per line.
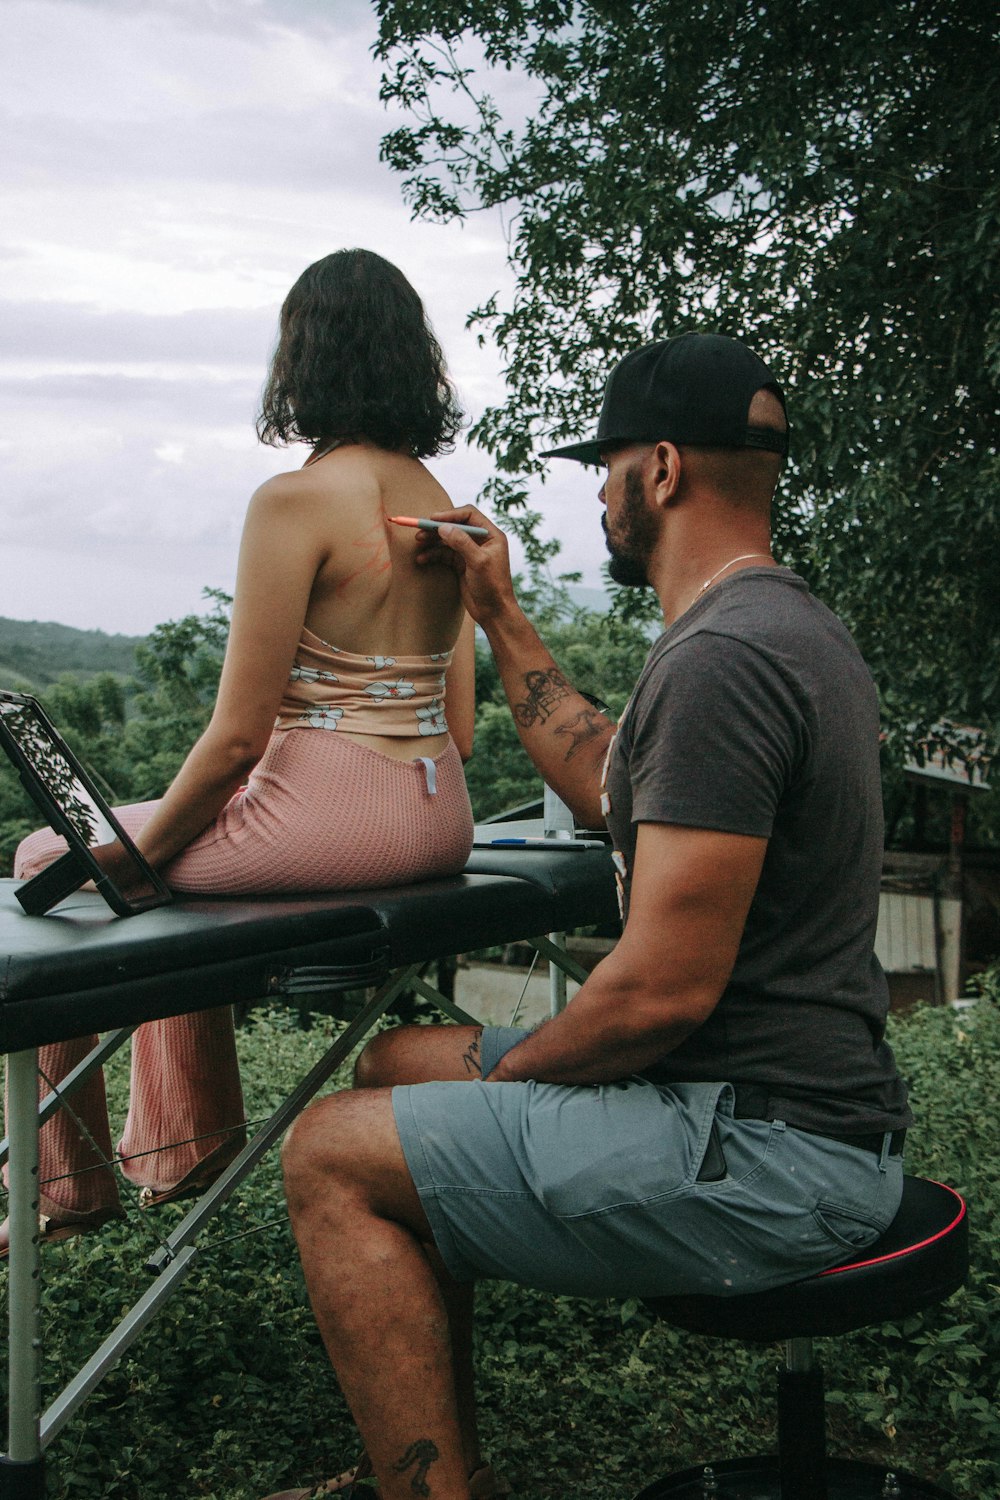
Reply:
x=419 y=1456
x=587 y=725
x=471 y=1057
x=545 y=690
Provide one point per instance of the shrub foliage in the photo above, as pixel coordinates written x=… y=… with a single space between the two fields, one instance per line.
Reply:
x=228 y=1395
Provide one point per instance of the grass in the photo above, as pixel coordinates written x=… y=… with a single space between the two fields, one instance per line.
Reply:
x=229 y=1396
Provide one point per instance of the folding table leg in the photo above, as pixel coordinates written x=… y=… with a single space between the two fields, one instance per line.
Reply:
x=176 y=1255
x=214 y=1197
x=556 y=954
x=557 y=976
x=447 y=1007
x=22 y=1469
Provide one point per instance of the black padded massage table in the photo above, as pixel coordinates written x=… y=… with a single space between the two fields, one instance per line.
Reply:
x=79 y=969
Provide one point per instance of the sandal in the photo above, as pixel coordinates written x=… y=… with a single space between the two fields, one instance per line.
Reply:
x=484 y=1484
x=191 y=1186
x=52 y=1229
x=341 y=1484
x=193 y=1183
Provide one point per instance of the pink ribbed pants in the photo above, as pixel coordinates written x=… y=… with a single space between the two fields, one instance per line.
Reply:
x=320 y=812
x=186 y=1105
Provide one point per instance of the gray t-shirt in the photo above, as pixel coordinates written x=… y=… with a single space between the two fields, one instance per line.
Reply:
x=755 y=714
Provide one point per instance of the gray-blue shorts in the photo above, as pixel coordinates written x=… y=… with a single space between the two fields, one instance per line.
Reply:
x=593 y=1191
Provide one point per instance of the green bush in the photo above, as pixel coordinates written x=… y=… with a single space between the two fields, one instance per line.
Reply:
x=228 y=1395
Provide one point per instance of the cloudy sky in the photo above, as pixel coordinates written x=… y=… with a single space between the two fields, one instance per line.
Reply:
x=169 y=169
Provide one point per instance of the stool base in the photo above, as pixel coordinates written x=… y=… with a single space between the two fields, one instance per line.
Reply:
x=22 y=1479
x=760 y=1479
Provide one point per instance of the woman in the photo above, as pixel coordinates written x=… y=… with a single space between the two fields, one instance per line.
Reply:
x=332 y=701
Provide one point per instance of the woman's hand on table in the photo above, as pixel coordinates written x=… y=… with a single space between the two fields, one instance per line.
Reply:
x=117 y=862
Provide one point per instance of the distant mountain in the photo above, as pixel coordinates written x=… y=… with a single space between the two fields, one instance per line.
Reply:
x=596 y=600
x=38 y=652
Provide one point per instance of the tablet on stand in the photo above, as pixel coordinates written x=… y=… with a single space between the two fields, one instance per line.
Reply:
x=70 y=802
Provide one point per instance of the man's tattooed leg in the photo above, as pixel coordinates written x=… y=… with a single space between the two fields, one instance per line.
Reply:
x=419 y=1456
x=471 y=1057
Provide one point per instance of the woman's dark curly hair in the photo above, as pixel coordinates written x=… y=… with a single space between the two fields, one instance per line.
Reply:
x=356 y=358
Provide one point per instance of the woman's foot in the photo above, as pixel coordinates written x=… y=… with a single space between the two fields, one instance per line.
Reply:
x=63 y=1224
x=483 y=1483
x=194 y=1182
x=345 y=1485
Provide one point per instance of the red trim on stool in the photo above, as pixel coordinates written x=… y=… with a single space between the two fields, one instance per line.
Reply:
x=856 y=1265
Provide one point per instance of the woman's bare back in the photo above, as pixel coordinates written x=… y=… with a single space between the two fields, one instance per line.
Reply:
x=369 y=596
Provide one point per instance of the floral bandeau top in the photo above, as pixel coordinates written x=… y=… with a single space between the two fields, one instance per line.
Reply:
x=393 y=695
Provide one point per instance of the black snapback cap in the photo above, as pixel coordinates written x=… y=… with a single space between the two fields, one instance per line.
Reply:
x=694 y=389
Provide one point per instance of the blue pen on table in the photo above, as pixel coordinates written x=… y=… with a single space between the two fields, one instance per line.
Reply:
x=522 y=841
x=552 y=843
x=425 y=525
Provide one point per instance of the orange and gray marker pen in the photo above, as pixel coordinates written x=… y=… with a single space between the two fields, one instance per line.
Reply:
x=436 y=525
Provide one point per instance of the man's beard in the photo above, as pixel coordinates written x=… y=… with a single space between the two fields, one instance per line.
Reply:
x=633 y=547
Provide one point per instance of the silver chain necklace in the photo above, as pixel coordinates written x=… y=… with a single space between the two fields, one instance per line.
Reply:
x=743 y=557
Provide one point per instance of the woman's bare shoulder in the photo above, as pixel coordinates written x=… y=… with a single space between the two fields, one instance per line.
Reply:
x=350 y=484
x=359 y=483
x=408 y=483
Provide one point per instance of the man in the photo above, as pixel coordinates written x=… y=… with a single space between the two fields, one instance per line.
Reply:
x=715 y=1110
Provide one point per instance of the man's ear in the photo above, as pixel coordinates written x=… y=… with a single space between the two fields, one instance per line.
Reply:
x=665 y=462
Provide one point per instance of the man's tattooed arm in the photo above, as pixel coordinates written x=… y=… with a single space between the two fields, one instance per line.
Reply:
x=587 y=725
x=545 y=690
x=542 y=701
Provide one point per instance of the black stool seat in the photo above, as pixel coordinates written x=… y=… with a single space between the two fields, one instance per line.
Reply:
x=922 y=1258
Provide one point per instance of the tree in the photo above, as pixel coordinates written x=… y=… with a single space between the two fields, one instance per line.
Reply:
x=600 y=655
x=131 y=733
x=819 y=180
x=177 y=676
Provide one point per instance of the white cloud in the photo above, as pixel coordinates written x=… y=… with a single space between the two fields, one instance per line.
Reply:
x=170 y=62
x=170 y=453
x=170 y=169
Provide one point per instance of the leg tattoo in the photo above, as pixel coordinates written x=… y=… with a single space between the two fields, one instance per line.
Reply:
x=420 y=1454
x=470 y=1056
